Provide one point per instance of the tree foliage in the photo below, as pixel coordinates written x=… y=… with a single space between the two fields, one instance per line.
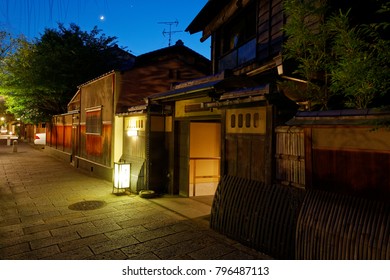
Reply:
x=360 y=71
x=6 y=44
x=307 y=46
x=40 y=77
x=353 y=60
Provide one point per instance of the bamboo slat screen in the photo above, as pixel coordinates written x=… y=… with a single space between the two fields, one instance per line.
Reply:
x=290 y=156
x=333 y=226
x=261 y=216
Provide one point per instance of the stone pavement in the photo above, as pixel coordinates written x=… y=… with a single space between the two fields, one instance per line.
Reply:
x=44 y=214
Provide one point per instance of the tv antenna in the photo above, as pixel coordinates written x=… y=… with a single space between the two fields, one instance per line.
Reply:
x=170 y=32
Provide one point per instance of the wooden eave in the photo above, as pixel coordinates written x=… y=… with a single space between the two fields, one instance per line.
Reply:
x=97 y=78
x=232 y=98
x=214 y=86
x=347 y=117
x=135 y=110
x=185 y=93
x=75 y=98
x=209 y=11
x=214 y=15
x=167 y=53
x=184 y=89
x=244 y=93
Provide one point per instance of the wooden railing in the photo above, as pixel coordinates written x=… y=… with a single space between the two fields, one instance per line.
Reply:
x=196 y=176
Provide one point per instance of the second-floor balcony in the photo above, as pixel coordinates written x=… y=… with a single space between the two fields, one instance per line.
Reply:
x=238 y=56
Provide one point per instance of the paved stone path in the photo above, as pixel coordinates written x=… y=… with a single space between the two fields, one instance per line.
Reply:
x=36 y=221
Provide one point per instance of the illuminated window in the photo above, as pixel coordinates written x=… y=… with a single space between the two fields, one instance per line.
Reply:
x=94 y=121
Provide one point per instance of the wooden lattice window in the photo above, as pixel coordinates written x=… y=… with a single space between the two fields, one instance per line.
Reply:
x=94 y=121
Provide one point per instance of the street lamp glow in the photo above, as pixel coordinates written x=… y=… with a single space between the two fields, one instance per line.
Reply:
x=121 y=176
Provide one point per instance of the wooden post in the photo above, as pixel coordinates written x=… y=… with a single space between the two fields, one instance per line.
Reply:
x=308 y=157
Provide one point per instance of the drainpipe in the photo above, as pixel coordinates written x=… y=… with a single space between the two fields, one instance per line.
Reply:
x=147 y=144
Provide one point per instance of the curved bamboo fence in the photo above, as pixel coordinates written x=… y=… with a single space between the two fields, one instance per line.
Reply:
x=260 y=216
x=335 y=226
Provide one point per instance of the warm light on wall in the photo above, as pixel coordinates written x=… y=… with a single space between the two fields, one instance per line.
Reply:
x=134 y=126
x=132 y=132
x=121 y=176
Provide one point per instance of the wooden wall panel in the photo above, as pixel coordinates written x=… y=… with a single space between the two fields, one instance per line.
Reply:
x=182 y=157
x=269 y=29
x=96 y=148
x=93 y=145
x=140 y=82
x=290 y=156
x=352 y=171
x=257 y=164
x=68 y=138
x=158 y=167
x=231 y=155
x=245 y=156
x=60 y=136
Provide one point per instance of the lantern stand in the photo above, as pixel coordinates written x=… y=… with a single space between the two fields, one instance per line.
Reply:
x=121 y=182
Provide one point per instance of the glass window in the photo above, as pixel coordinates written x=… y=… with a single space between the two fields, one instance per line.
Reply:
x=239 y=30
x=94 y=122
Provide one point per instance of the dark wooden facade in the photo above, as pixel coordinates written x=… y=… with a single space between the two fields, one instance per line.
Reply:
x=185 y=147
x=93 y=134
x=59 y=133
x=156 y=71
x=247 y=40
x=153 y=73
x=345 y=157
x=346 y=152
x=84 y=134
x=248 y=149
x=96 y=102
x=341 y=158
x=246 y=35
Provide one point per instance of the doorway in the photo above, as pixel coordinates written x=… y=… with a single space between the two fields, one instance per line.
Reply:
x=205 y=157
x=197 y=158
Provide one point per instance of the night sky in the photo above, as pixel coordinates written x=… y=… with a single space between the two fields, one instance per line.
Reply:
x=138 y=24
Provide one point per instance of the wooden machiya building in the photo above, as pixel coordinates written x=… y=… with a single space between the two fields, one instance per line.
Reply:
x=210 y=131
x=246 y=38
x=219 y=130
x=94 y=133
x=230 y=127
x=144 y=126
